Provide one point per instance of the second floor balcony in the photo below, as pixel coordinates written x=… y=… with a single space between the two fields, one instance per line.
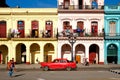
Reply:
x=112 y=9
x=82 y=35
x=17 y=36
x=81 y=7
x=112 y=36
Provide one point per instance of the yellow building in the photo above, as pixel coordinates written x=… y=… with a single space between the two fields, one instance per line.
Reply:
x=28 y=34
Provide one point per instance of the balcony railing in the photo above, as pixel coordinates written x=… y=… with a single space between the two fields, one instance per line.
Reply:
x=112 y=8
x=61 y=34
x=81 y=7
x=29 y=36
x=112 y=36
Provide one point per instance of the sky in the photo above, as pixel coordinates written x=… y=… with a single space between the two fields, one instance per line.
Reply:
x=45 y=3
x=32 y=3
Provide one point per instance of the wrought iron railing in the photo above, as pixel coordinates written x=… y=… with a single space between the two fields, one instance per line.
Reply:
x=29 y=35
x=61 y=34
x=81 y=7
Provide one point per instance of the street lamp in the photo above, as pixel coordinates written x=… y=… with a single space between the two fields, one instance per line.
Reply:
x=72 y=40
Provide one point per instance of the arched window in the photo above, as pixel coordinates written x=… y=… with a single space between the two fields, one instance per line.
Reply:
x=2 y=29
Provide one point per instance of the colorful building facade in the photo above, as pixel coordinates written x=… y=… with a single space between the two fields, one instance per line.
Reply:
x=112 y=34
x=85 y=20
x=28 y=35
x=78 y=30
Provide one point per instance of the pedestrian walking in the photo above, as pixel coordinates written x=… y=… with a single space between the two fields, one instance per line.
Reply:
x=13 y=64
x=10 y=69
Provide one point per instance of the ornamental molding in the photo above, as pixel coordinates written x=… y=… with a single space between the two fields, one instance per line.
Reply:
x=112 y=18
x=80 y=19
x=66 y=19
x=94 y=19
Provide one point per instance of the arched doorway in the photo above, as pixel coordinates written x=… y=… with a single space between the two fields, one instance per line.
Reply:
x=112 y=54
x=20 y=53
x=79 y=53
x=48 y=52
x=94 y=54
x=65 y=51
x=3 y=54
x=35 y=53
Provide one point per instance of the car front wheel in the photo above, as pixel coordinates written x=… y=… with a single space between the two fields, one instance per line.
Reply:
x=46 y=68
x=68 y=68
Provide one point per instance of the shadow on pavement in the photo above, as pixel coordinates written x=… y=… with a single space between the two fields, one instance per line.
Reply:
x=19 y=75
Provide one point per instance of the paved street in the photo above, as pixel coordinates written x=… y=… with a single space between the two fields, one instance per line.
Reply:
x=60 y=75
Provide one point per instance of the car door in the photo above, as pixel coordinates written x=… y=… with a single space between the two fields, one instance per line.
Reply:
x=63 y=64
x=55 y=64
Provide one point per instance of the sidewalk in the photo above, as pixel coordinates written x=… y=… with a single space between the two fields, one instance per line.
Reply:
x=80 y=66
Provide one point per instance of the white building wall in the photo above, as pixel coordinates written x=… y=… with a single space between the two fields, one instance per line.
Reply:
x=87 y=44
x=86 y=18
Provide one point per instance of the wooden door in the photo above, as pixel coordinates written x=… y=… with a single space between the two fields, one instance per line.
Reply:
x=0 y=57
x=2 y=29
x=78 y=58
x=92 y=57
x=49 y=58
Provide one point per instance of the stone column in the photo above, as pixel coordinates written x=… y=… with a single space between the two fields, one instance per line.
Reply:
x=27 y=55
x=41 y=57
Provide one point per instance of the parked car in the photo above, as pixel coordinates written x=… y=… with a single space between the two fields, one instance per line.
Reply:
x=60 y=63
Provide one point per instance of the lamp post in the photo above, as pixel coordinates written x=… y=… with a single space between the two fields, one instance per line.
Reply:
x=72 y=40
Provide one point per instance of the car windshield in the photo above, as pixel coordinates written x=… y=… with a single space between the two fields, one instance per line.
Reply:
x=55 y=61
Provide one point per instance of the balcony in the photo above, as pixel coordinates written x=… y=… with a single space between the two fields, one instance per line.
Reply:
x=29 y=37
x=82 y=36
x=110 y=36
x=112 y=9
x=82 y=8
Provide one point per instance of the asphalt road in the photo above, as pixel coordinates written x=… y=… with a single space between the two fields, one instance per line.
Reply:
x=60 y=75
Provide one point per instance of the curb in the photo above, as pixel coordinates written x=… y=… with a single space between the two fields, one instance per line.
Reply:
x=117 y=71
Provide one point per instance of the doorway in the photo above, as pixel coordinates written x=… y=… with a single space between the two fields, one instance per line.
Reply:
x=80 y=3
x=112 y=54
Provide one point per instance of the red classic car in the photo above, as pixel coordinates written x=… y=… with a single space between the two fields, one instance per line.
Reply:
x=60 y=63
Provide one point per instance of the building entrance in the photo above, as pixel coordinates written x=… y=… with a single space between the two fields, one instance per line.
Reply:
x=112 y=54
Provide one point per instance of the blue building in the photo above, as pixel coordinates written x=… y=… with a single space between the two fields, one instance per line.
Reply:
x=112 y=35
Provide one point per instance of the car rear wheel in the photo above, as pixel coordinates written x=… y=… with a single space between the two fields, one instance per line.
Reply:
x=46 y=68
x=68 y=68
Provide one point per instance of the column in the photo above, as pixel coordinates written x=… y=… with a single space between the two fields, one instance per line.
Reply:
x=105 y=53
x=27 y=55
x=55 y=50
x=41 y=57
x=59 y=49
x=118 y=54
